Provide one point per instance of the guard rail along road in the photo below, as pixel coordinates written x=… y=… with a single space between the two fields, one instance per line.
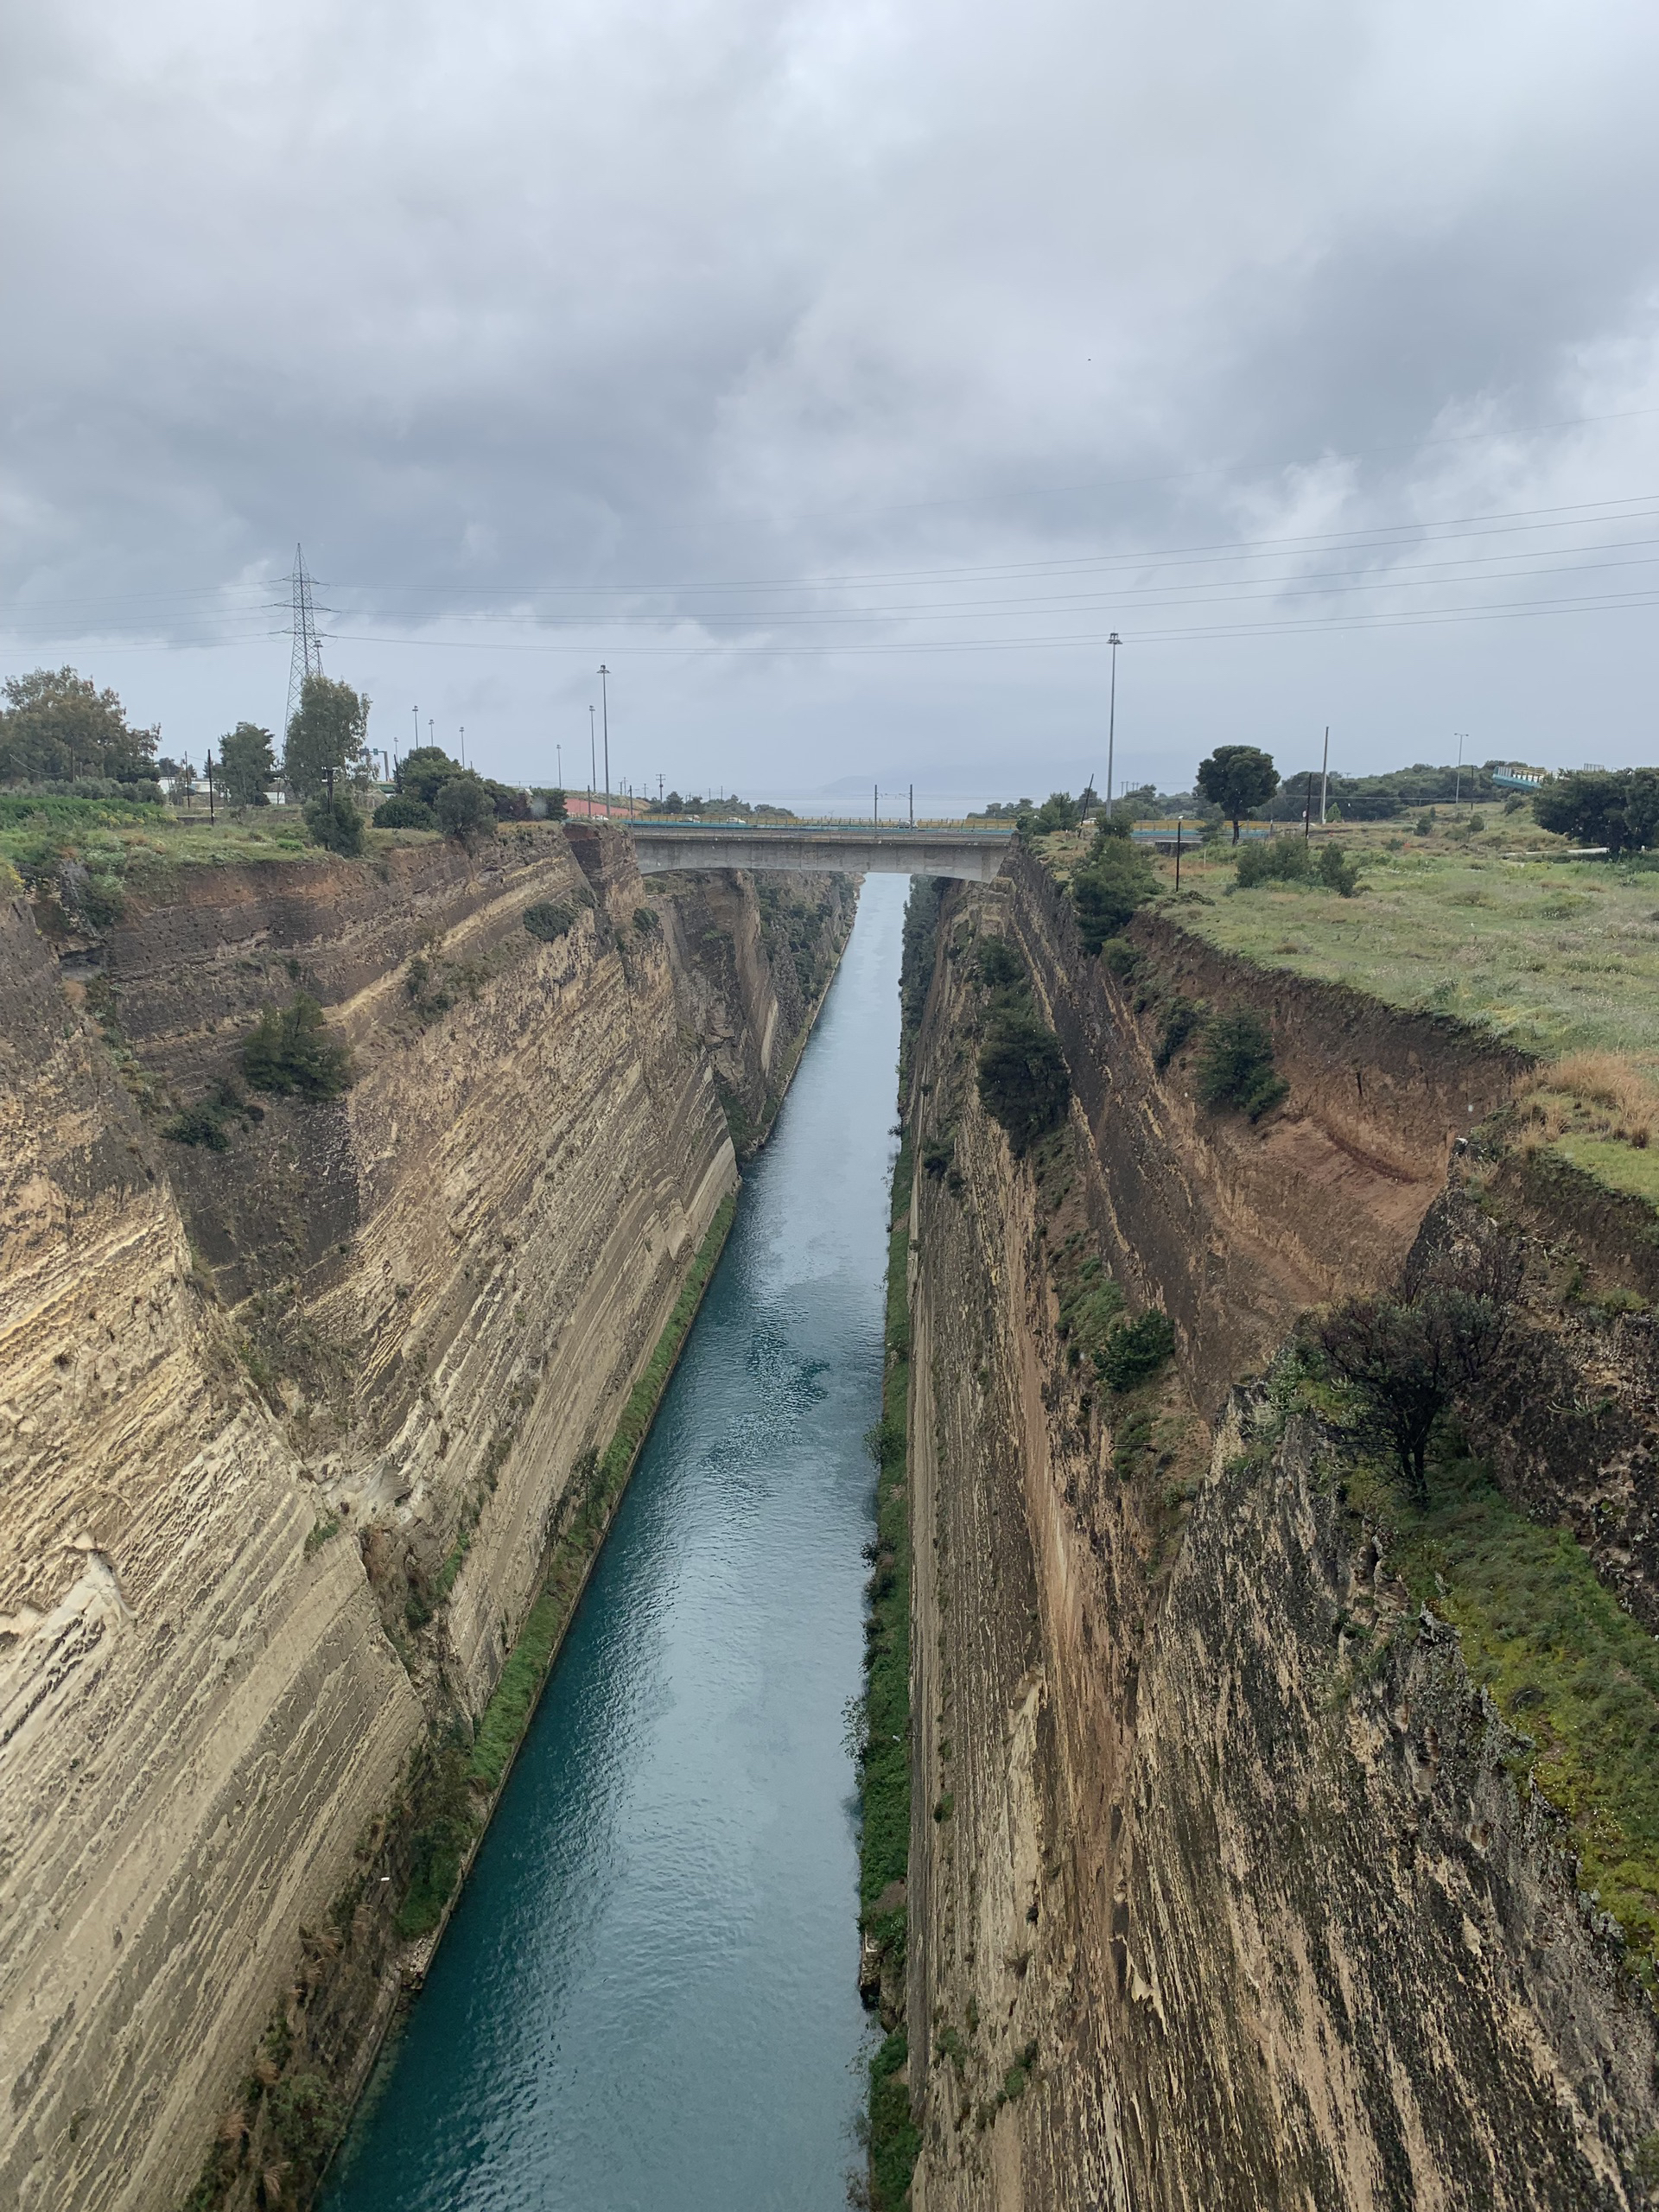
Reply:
x=803 y=848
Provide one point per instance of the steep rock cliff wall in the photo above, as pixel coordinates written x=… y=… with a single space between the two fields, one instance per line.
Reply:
x=1221 y=1893
x=197 y=1712
x=290 y=1425
x=752 y=958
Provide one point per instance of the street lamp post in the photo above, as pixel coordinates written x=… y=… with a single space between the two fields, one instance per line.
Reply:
x=1114 y=641
x=605 y=709
x=593 y=757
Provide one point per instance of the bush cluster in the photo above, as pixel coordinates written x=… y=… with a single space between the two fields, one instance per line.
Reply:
x=1235 y=1066
x=1291 y=860
x=334 y=823
x=549 y=919
x=402 y=812
x=1135 y=1350
x=291 y=1053
x=1112 y=883
x=1023 y=1079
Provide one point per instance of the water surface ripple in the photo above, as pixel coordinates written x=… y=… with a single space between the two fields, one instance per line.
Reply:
x=646 y=1999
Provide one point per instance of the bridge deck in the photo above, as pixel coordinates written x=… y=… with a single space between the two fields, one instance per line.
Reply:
x=806 y=848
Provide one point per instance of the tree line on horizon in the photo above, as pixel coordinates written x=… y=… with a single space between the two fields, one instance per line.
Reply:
x=58 y=730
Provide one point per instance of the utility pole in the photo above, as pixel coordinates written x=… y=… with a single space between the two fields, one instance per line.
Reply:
x=1114 y=641
x=210 y=786
x=463 y=745
x=431 y=726
x=913 y=806
x=1178 y=851
x=605 y=707
x=875 y=806
x=1457 y=789
x=1307 y=810
x=1325 y=776
x=558 y=756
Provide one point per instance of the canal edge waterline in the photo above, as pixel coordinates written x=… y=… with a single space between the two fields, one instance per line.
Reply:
x=676 y=1331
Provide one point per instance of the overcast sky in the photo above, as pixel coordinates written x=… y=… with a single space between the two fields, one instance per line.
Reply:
x=842 y=375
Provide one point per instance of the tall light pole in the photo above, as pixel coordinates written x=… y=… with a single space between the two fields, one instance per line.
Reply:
x=1114 y=641
x=416 y=712
x=463 y=745
x=593 y=758
x=605 y=712
x=558 y=755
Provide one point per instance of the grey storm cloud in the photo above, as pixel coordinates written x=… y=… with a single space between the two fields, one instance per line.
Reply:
x=624 y=328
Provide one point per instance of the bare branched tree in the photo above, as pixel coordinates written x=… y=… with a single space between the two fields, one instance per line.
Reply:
x=1408 y=1356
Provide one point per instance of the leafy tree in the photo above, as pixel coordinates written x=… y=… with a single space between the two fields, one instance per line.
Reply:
x=56 y=724
x=247 y=762
x=464 y=808
x=327 y=732
x=402 y=812
x=1059 y=811
x=290 y=1052
x=1235 y=1066
x=1111 y=885
x=1023 y=1078
x=1408 y=1356
x=556 y=808
x=423 y=773
x=1236 y=778
x=335 y=822
x=1617 y=808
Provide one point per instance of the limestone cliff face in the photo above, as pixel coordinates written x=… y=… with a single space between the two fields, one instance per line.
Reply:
x=752 y=958
x=286 y=1427
x=196 y=1715
x=1206 y=1909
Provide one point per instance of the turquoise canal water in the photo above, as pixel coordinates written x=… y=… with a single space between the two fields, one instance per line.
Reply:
x=646 y=2000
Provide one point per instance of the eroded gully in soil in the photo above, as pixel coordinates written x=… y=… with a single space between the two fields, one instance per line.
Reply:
x=647 y=1996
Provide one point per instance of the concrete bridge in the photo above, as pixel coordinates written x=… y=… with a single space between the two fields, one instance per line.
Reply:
x=807 y=849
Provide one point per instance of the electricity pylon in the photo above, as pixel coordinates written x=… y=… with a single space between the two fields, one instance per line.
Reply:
x=307 y=659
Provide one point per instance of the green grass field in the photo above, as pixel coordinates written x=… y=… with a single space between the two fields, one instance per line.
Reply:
x=1552 y=955
x=137 y=850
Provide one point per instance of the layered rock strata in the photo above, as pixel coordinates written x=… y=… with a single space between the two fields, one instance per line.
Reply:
x=1221 y=1891
x=288 y=1424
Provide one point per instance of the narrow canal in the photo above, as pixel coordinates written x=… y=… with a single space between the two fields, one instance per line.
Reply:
x=646 y=2000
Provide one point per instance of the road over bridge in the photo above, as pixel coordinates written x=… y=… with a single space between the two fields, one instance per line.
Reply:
x=806 y=848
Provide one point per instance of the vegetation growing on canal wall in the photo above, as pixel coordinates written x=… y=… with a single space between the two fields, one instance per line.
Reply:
x=892 y=2137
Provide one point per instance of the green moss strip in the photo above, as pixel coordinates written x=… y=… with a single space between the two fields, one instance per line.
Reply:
x=508 y=1713
x=1567 y=1669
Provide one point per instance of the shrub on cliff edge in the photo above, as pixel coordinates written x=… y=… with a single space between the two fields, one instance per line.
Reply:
x=1111 y=885
x=335 y=825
